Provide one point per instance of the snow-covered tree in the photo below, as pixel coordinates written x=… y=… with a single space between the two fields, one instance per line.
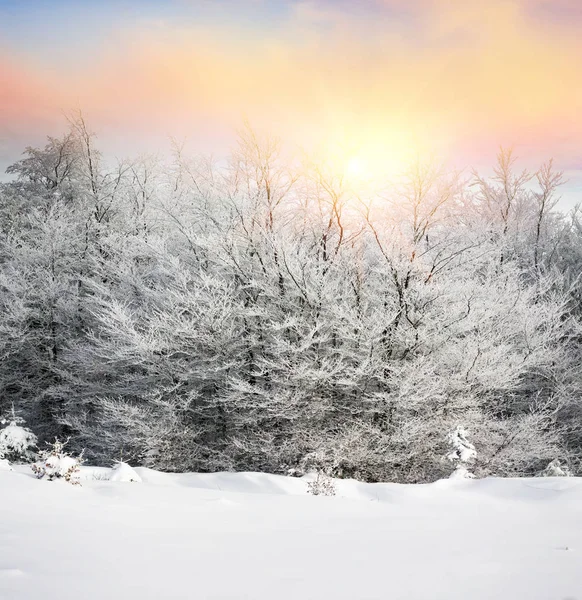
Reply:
x=462 y=453
x=17 y=443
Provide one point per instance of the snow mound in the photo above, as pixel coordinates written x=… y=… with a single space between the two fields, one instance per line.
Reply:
x=122 y=472
x=5 y=465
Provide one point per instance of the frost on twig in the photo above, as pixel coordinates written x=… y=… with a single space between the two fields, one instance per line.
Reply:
x=322 y=485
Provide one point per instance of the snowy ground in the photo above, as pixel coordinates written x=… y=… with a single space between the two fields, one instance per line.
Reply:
x=260 y=537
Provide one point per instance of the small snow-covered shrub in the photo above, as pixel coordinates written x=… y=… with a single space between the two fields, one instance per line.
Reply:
x=555 y=469
x=462 y=453
x=95 y=474
x=461 y=472
x=123 y=472
x=294 y=472
x=322 y=485
x=16 y=442
x=55 y=463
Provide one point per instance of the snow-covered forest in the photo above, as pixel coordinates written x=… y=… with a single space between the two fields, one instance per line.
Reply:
x=266 y=313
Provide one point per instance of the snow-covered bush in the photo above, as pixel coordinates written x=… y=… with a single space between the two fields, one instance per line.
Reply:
x=123 y=472
x=55 y=463
x=555 y=469
x=461 y=472
x=462 y=453
x=293 y=472
x=322 y=485
x=16 y=441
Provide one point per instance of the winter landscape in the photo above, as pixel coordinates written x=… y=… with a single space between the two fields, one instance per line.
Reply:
x=290 y=300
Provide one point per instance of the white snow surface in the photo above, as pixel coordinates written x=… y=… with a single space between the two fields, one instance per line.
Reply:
x=253 y=536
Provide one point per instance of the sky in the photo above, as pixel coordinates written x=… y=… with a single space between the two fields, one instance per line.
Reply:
x=454 y=78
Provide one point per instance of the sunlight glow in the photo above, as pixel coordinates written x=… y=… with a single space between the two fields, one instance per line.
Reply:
x=357 y=168
x=364 y=162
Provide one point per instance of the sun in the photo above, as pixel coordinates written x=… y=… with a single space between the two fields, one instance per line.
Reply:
x=365 y=161
x=372 y=166
x=357 y=168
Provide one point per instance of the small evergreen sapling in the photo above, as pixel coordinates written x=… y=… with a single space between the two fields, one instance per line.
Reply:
x=17 y=443
x=55 y=463
x=462 y=453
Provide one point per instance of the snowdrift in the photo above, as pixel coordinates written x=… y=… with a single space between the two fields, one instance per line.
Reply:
x=253 y=536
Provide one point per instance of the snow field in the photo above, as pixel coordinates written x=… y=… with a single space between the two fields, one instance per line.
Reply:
x=253 y=536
